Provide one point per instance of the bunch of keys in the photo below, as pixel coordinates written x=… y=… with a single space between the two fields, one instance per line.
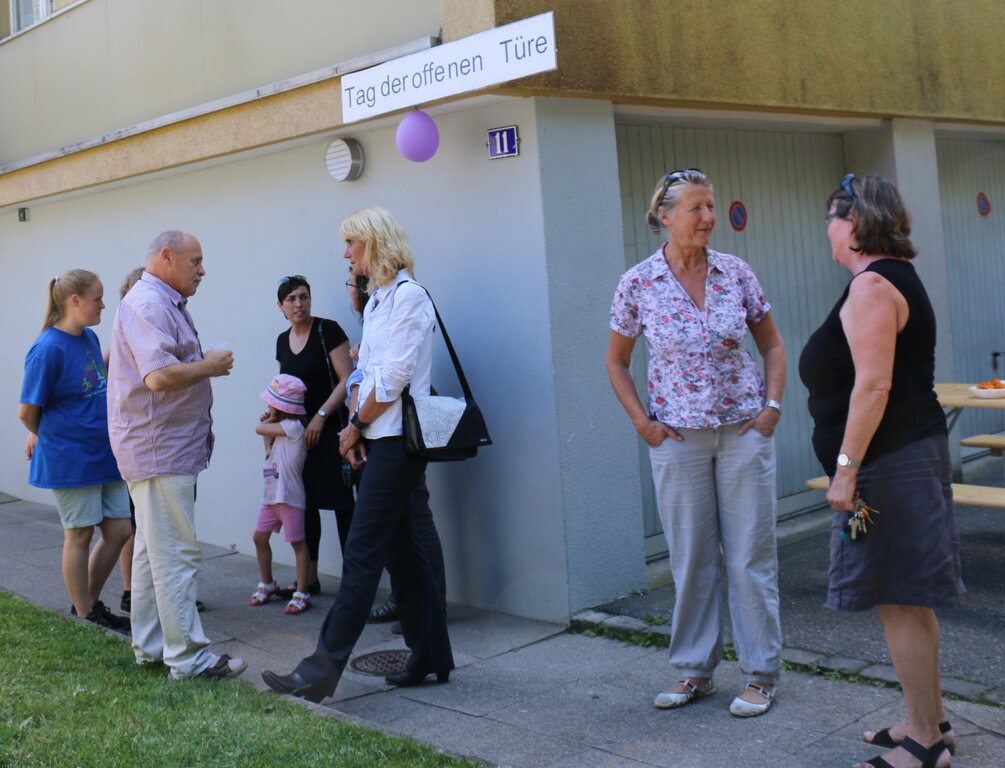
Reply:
x=859 y=521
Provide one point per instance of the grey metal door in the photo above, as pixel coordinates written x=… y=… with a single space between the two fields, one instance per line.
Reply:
x=783 y=180
x=975 y=253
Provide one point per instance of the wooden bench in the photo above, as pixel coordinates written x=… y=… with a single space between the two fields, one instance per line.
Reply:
x=963 y=494
x=996 y=443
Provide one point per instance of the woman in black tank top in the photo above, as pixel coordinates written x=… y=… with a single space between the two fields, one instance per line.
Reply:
x=881 y=436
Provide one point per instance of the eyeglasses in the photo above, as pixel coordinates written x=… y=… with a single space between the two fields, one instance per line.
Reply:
x=674 y=176
x=285 y=280
x=847 y=187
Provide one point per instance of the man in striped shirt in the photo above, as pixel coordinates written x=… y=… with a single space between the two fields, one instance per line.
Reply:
x=159 y=401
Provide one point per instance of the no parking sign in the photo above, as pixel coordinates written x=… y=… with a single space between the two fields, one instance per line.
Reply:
x=738 y=216
x=983 y=204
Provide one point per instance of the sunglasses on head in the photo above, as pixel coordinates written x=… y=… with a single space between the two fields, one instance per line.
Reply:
x=847 y=187
x=674 y=176
x=285 y=280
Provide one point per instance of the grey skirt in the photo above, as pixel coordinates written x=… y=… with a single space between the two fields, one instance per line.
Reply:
x=911 y=554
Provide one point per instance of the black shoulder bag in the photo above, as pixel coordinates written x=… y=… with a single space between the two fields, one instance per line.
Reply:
x=439 y=428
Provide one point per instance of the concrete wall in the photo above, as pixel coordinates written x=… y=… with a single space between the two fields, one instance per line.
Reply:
x=598 y=453
x=108 y=64
x=477 y=227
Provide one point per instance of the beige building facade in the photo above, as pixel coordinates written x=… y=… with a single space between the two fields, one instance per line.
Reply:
x=120 y=118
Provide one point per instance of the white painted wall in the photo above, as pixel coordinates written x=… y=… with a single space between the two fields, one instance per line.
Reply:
x=108 y=64
x=476 y=226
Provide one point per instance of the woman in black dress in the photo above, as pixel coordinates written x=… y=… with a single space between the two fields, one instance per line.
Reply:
x=881 y=436
x=316 y=351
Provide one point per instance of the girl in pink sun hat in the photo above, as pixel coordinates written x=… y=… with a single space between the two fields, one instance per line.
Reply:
x=283 y=499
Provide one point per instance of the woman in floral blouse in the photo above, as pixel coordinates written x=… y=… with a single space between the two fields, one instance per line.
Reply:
x=709 y=423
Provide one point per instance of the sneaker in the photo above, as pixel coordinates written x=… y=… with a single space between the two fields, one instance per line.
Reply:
x=264 y=593
x=386 y=612
x=225 y=667
x=103 y=617
x=299 y=603
x=126 y=604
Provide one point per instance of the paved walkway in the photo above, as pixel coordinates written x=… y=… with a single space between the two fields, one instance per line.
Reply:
x=529 y=693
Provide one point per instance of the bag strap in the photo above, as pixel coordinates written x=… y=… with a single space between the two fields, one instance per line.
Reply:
x=450 y=347
x=324 y=351
x=328 y=367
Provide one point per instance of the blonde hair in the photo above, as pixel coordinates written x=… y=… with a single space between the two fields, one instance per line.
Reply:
x=130 y=280
x=386 y=250
x=668 y=191
x=61 y=288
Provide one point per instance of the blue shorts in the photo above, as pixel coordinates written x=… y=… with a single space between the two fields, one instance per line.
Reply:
x=90 y=504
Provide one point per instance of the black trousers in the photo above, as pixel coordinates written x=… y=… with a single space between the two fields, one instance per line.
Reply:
x=426 y=527
x=384 y=533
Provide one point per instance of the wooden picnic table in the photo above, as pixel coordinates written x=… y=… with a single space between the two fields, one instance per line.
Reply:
x=954 y=398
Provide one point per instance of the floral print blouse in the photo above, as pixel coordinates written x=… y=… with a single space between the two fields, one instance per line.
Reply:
x=701 y=376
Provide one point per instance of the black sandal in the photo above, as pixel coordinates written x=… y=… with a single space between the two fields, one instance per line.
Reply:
x=928 y=757
x=883 y=738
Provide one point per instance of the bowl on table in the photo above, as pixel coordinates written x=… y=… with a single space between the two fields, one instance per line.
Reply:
x=989 y=390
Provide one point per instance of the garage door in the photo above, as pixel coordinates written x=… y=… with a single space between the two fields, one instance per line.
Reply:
x=782 y=180
x=975 y=253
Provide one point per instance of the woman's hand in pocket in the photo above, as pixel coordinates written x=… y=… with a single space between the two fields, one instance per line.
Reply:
x=655 y=432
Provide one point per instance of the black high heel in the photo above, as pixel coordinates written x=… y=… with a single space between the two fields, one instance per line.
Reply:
x=884 y=739
x=409 y=678
x=929 y=757
x=294 y=684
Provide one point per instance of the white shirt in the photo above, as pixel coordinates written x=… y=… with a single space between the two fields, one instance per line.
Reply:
x=284 y=466
x=396 y=349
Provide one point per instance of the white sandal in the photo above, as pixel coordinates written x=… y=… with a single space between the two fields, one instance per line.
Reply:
x=299 y=603
x=674 y=699
x=264 y=593
x=743 y=708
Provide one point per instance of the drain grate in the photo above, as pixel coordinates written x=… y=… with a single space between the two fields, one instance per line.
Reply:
x=381 y=663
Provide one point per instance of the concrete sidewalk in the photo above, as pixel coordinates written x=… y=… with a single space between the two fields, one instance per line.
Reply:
x=528 y=693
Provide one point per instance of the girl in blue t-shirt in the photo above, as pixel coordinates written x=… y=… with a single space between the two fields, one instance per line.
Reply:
x=63 y=406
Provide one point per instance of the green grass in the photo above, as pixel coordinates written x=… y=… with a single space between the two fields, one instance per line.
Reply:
x=71 y=695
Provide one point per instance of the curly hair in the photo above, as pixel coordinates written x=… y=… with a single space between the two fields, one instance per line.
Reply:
x=386 y=249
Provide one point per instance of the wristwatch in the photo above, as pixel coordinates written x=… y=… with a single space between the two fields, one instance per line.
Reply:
x=355 y=421
x=773 y=404
x=844 y=460
x=322 y=413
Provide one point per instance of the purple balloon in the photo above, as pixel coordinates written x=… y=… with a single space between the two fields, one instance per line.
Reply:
x=417 y=137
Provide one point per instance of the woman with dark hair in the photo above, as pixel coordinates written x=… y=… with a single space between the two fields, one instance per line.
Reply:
x=63 y=406
x=316 y=351
x=881 y=437
x=709 y=423
x=396 y=351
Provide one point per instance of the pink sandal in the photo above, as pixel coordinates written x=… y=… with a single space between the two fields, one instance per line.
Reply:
x=264 y=593
x=299 y=603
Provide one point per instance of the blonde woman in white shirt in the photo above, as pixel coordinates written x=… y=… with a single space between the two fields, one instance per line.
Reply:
x=396 y=351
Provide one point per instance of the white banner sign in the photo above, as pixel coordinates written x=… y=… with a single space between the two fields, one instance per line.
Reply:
x=495 y=56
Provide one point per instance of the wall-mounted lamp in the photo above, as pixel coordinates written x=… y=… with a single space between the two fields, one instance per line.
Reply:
x=345 y=160
x=22 y=214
